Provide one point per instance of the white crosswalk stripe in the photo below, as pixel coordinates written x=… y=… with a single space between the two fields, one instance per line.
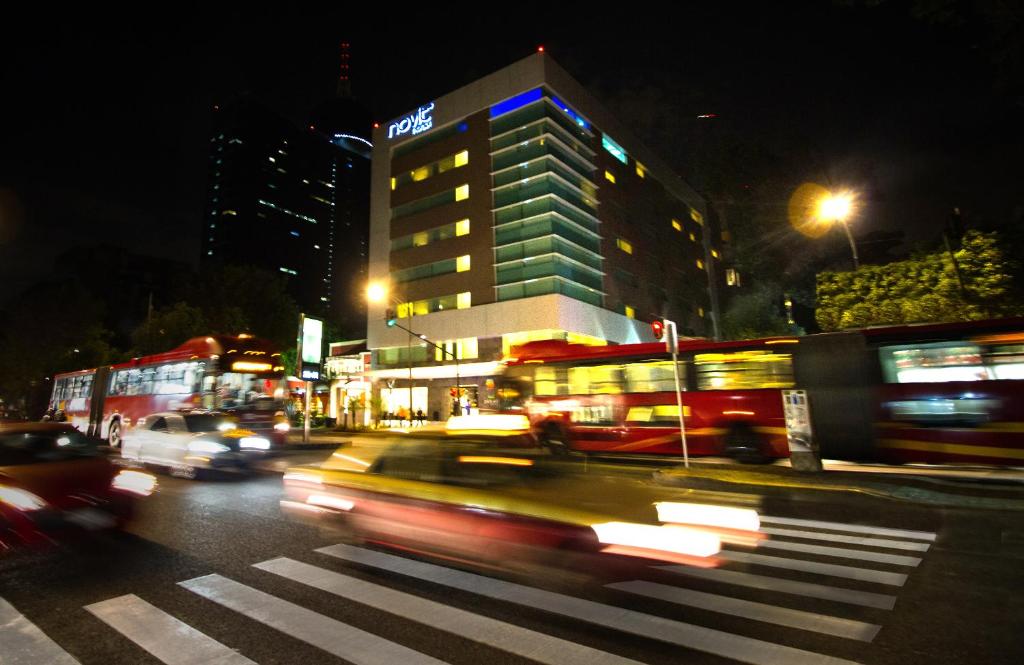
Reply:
x=513 y=639
x=840 y=600
x=709 y=640
x=782 y=616
x=22 y=643
x=333 y=636
x=854 y=528
x=168 y=639
x=853 y=540
x=849 y=572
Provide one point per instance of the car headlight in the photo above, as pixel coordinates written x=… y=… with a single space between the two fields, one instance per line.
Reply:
x=254 y=443
x=207 y=447
x=20 y=499
x=282 y=427
x=135 y=482
x=664 y=538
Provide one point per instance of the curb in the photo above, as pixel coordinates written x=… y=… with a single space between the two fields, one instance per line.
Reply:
x=910 y=494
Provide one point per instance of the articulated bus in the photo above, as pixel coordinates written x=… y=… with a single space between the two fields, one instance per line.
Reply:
x=937 y=393
x=241 y=375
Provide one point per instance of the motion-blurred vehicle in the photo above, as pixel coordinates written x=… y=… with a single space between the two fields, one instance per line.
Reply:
x=55 y=482
x=191 y=442
x=464 y=498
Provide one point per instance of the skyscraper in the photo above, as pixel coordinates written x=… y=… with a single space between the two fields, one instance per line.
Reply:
x=517 y=208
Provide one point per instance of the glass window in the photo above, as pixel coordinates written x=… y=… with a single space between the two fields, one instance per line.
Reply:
x=462 y=263
x=934 y=363
x=652 y=377
x=614 y=148
x=595 y=380
x=676 y=225
x=743 y=370
x=661 y=415
x=624 y=245
x=609 y=176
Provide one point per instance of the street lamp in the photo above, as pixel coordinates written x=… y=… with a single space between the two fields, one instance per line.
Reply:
x=377 y=292
x=837 y=207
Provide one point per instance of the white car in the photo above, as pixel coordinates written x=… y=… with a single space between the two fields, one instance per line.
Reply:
x=188 y=442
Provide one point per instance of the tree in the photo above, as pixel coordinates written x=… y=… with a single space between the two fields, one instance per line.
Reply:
x=755 y=314
x=924 y=288
x=168 y=328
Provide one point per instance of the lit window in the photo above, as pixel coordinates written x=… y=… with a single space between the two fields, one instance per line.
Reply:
x=609 y=176
x=422 y=173
x=462 y=193
x=394 y=183
x=732 y=278
x=420 y=239
x=693 y=237
x=714 y=253
x=696 y=216
x=462 y=158
x=624 y=245
x=462 y=263
x=462 y=227
x=288 y=270
x=700 y=311
x=641 y=170
x=614 y=148
x=272 y=159
x=463 y=300
x=700 y=264
x=630 y=312
x=228 y=212
x=676 y=225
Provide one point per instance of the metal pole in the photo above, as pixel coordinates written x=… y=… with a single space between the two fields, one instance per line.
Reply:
x=305 y=415
x=853 y=245
x=409 y=305
x=673 y=341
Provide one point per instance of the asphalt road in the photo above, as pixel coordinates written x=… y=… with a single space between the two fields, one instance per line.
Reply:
x=211 y=572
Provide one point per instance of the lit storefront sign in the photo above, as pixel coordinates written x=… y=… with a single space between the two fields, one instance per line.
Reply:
x=414 y=123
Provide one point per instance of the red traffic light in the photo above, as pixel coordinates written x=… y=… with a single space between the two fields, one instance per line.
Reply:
x=658 y=328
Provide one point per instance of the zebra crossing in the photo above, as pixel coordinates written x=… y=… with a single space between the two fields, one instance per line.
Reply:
x=786 y=581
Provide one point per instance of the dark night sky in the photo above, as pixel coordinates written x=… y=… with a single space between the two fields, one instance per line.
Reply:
x=104 y=117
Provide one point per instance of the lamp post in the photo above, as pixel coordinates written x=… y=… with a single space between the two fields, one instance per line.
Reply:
x=377 y=292
x=837 y=207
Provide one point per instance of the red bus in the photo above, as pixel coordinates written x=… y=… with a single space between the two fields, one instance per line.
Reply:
x=622 y=398
x=935 y=393
x=242 y=375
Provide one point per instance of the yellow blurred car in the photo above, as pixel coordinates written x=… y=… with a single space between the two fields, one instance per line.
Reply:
x=468 y=497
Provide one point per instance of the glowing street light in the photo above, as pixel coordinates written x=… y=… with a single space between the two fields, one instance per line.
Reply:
x=376 y=292
x=836 y=207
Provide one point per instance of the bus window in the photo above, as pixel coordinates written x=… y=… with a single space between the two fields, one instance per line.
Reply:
x=653 y=377
x=134 y=382
x=660 y=415
x=85 y=389
x=147 y=376
x=551 y=380
x=933 y=363
x=595 y=380
x=1006 y=361
x=743 y=370
x=119 y=382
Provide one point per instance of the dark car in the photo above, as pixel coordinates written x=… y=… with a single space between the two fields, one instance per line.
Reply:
x=54 y=481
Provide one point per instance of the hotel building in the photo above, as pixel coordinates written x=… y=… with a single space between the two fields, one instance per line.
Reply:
x=514 y=209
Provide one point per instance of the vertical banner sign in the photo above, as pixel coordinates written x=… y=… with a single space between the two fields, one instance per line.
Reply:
x=798 y=421
x=310 y=352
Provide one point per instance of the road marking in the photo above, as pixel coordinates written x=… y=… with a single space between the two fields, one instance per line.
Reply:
x=337 y=638
x=511 y=638
x=849 y=572
x=162 y=635
x=782 y=616
x=22 y=643
x=880 y=557
x=865 y=598
x=853 y=540
x=855 y=528
x=699 y=638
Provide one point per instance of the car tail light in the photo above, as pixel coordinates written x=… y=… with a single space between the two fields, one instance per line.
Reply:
x=20 y=499
x=134 y=482
x=665 y=538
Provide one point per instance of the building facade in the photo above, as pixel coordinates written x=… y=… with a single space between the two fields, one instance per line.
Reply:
x=291 y=201
x=514 y=209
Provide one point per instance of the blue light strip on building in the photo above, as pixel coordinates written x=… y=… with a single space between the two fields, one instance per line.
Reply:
x=572 y=114
x=516 y=102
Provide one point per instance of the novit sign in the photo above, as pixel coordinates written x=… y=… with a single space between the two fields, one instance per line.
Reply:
x=414 y=123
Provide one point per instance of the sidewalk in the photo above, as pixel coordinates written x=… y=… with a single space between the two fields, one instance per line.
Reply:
x=920 y=490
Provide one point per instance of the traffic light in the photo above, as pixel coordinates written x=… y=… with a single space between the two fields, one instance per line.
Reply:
x=389 y=316
x=658 y=328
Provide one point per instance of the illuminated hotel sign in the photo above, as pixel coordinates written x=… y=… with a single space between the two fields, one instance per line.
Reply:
x=414 y=123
